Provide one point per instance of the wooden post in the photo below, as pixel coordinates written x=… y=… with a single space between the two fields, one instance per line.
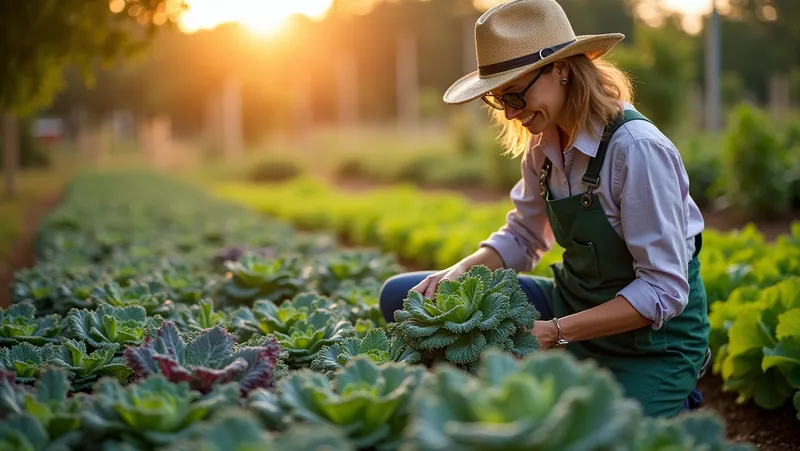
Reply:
x=347 y=73
x=232 y=120
x=779 y=95
x=407 y=82
x=10 y=154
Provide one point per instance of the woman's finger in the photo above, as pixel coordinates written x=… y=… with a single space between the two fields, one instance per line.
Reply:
x=420 y=287
x=430 y=291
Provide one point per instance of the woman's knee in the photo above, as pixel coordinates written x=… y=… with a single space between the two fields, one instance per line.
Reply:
x=395 y=289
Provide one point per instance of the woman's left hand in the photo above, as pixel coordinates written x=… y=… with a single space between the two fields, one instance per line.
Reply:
x=546 y=332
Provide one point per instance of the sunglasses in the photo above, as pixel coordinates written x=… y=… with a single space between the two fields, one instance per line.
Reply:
x=515 y=100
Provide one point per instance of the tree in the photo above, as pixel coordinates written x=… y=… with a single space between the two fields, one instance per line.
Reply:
x=40 y=38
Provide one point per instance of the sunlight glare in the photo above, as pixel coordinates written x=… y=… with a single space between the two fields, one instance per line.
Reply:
x=259 y=16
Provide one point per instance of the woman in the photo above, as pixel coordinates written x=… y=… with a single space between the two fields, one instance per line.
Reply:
x=603 y=182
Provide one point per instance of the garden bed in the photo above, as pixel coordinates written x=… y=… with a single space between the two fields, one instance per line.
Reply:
x=118 y=287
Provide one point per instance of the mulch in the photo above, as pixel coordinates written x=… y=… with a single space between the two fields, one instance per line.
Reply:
x=769 y=430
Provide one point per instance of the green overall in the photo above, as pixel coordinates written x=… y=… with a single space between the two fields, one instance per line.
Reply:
x=657 y=367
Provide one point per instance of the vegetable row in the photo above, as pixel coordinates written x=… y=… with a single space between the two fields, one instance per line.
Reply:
x=159 y=318
x=751 y=283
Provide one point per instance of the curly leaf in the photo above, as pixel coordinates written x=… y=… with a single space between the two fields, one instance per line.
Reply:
x=481 y=309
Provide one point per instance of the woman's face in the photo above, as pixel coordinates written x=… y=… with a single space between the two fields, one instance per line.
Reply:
x=544 y=100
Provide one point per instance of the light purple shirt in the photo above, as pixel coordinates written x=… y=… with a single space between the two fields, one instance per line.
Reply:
x=644 y=191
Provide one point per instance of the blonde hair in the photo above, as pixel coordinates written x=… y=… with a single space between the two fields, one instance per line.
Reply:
x=596 y=88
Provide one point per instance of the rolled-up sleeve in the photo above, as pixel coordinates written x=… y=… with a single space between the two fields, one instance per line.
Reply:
x=652 y=187
x=526 y=235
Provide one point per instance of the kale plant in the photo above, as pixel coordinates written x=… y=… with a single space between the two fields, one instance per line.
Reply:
x=546 y=402
x=108 y=326
x=369 y=403
x=266 y=317
x=375 y=344
x=479 y=310
x=19 y=323
x=40 y=418
x=252 y=278
x=304 y=339
x=155 y=412
x=210 y=359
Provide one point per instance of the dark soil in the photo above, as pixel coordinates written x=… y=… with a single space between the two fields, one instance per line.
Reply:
x=769 y=430
x=22 y=253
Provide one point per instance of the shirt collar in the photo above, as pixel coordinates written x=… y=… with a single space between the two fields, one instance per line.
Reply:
x=585 y=142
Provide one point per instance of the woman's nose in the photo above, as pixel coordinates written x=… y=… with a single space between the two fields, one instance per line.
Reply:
x=511 y=113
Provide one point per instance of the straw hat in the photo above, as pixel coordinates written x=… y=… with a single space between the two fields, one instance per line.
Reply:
x=518 y=36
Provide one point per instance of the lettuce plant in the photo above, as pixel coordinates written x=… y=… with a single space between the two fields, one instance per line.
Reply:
x=480 y=309
x=266 y=317
x=692 y=430
x=367 y=402
x=108 y=326
x=303 y=340
x=19 y=323
x=26 y=360
x=199 y=316
x=548 y=401
x=355 y=266
x=375 y=345
x=207 y=361
x=153 y=413
x=139 y=294
x=360 y=302
x=760 y=360
x=84 y=368
x=232 y=429
x=40 y=418
x=184 y=285
x=252 y=278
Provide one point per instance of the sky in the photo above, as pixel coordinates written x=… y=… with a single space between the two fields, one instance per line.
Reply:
x=268 y=16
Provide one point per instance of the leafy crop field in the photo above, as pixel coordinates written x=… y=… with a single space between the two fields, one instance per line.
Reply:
x=753 y=285
x=160 y=318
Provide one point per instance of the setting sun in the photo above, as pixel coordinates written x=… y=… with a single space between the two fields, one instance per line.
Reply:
x=259 y=16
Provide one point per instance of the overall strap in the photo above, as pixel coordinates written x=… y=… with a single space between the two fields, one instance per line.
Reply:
x=591 y=178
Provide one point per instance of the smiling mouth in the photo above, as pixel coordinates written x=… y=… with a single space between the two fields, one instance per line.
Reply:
x=528 y=120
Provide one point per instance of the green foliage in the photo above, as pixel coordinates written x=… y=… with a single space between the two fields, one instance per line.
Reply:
x=545 y=401
x=375 y=345
x=758 y=339
x=755 y=178
x=41 y=37
x=205 y=362
x=43 y=417
x=426 y=229
x=108 y=325
x=266 y=317
x=254 y=277
x=207 y=380
x=152 y=413
x=368 y=402
x=83 y=368
x=481 y=309
x=19 y=324
x=304 y=338
x=660 y=60
x=26 y=360
x=197 y=317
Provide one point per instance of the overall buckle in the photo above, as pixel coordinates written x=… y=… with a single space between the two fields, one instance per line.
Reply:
x=586 y=198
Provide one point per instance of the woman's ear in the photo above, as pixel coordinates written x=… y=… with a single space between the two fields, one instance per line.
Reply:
x=561 y=68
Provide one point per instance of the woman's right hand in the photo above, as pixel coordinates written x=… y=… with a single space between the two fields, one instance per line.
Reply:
x=429 y=284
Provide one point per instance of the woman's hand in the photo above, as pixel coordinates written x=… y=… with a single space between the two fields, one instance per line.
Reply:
x=428 y=285
x=546 y=332
x=483 y=256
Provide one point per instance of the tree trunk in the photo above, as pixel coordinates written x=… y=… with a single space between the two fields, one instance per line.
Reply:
x=10 y=154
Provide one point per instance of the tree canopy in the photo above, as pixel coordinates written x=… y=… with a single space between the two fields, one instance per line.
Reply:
x=39 y=38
